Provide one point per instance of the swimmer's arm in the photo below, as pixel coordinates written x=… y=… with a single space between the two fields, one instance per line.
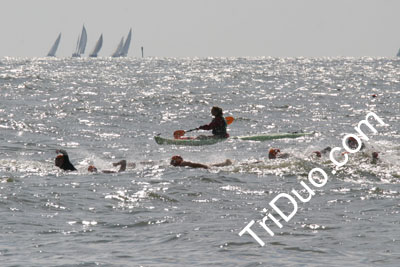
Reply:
x=107 y=171
x=122 y=163
x=193 y=165
x=222 y=164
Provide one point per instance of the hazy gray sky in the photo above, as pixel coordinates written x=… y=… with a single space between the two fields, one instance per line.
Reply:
x=189 y=28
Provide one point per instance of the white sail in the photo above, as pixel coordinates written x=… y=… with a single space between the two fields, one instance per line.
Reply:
x=53 y=49
x=81 y=45
x=97 y=47
x=76 y=54
x=125 y=49
x=118 y=51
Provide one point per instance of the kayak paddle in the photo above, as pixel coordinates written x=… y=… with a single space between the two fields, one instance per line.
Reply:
x=179 y=133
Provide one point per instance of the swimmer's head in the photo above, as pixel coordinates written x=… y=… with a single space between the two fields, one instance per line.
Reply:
x=92 y=168
x=352 y=142
x=317 y=154
x=176 y=160
x=273 y=152
x=375 y=155
x=59 y=160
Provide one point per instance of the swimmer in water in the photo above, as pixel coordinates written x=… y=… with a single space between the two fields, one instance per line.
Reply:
x=62 y=161
x=324 y=151
x=375 y=157
x=275 y=153
x=178 y=161
x=121 y=163
x=353 y=143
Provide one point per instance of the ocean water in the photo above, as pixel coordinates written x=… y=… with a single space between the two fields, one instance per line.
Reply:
x=154 y=214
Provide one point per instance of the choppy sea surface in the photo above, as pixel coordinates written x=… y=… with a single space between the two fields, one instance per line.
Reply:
x=154 y=214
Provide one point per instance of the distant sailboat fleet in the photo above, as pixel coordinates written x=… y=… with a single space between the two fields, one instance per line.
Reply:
x=121 y=51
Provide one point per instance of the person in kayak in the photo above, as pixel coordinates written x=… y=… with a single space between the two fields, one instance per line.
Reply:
x=178 y=161
x=218 y=124
x=62 y=161
x=121 y=163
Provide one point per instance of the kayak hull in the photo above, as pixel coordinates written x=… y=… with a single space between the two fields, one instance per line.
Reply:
x=187 y=142
x=210 y=141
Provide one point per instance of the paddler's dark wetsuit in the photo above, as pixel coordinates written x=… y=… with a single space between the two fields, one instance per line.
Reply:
x=62 y=161
x=218 y=127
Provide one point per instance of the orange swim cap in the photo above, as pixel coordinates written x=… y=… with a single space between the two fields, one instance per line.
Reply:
x=273 y=152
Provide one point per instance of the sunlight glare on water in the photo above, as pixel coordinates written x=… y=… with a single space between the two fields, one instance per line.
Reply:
x=153 y=214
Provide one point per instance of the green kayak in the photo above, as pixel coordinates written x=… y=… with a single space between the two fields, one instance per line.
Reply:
x=187 y=142
x=210 y=141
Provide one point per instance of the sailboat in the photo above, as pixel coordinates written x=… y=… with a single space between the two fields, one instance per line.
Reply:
x=97 y=47
x=53 y=49
x=117 y=52
x=123 y=47
x=398 y=53
x=81 y=44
